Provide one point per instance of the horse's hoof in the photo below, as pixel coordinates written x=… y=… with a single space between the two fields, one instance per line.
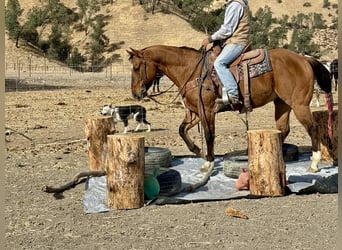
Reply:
x=312 y=170
x=206 y=166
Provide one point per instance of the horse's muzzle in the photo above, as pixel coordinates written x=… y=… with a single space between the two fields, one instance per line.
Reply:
x=140 y=95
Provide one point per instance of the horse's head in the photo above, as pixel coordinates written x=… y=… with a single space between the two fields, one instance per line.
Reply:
x=143 y=73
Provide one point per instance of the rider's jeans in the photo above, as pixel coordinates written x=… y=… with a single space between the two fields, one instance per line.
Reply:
x=228 y=54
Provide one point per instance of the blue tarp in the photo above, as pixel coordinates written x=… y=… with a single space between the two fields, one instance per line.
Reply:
x=221 y=187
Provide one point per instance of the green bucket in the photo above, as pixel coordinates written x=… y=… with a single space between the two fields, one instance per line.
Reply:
x=151 y=185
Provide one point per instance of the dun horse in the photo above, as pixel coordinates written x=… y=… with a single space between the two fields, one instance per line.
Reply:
x=289 y=85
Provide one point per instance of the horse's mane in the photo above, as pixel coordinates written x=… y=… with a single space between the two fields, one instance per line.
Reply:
x=165 y=47
x=189 y=48
x=180 y=47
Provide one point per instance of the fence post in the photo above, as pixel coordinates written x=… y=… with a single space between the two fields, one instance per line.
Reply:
x=30 y=64
x=111 y=71
x=18 y=74
x=44 y=64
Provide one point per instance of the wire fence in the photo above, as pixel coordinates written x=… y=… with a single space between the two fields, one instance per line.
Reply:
x=29 y=69
x=43 y=74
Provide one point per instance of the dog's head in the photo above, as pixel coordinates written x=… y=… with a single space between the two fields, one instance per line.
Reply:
x=107 y=109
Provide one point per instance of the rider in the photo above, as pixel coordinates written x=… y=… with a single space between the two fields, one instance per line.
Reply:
x=234 y=34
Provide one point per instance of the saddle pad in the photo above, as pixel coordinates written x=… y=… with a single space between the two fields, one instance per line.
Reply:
x=257 y=69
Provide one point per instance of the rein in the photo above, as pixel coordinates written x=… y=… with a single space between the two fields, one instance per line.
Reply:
x=203 y=52
x=158 y=94
x=161 y=92
x=200 y=101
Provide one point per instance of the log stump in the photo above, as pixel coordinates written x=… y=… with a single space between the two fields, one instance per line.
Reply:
x=266 y=163
x=125 y=171
x=329 y=147
x=96 y=130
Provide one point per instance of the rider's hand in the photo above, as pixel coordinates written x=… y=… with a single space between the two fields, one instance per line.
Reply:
x=205 y=42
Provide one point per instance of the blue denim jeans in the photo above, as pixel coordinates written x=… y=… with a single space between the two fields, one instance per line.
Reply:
x=228 y=54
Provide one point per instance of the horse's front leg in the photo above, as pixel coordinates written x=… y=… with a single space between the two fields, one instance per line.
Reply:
x=208 y=125
x=190 y=120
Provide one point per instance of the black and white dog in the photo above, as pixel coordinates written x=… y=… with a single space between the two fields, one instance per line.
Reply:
x=124 y=113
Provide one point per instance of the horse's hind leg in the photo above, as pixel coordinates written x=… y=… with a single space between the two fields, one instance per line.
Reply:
x=190 y=120
x=282 y=116
x=304 y=116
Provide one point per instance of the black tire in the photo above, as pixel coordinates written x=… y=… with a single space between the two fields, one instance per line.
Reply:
x=290 y=152
x=170 y=182
x=157 y=157
x=232 y=165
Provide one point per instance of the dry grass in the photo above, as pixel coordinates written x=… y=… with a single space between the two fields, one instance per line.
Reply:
x=129 y=23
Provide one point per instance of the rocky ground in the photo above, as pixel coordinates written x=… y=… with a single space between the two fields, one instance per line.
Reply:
x=52 y=114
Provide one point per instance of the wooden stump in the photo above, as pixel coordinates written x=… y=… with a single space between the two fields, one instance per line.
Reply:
x=329 y=148
x=266 y=163
x=125 y=171
x=96 y=130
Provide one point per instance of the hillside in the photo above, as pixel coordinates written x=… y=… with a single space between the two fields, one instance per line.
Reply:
x=131 y=25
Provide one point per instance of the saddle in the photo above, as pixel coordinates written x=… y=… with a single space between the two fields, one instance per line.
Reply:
x=251 y=63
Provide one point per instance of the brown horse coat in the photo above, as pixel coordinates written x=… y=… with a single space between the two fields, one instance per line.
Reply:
x=290 y=87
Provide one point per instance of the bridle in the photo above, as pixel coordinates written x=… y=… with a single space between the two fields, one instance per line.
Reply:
x=199 y=79
x=145 y=81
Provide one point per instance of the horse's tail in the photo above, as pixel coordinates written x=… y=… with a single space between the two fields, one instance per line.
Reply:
x=322 y=76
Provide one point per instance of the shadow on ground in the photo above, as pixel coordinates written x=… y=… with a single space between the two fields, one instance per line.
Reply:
x=13 y=84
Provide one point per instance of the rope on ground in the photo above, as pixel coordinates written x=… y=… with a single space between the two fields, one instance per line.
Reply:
x=77 y=179
x=201 y=183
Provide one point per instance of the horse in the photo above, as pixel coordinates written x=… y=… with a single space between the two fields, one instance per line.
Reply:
x=289 y=85
x=156 y=82
x=334 y=71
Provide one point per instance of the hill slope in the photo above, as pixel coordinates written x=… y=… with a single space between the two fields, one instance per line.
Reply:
x=130 y=24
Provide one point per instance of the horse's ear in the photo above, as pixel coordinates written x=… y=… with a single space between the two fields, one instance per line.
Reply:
x=134 y=52
x=130 y=52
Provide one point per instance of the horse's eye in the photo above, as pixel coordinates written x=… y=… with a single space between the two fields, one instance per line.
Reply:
x=136 y=67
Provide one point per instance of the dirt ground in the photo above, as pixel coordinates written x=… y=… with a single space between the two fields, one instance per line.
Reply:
x=52 y=117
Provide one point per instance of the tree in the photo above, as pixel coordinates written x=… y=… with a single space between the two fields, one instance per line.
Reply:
x=326 y=3
x=12 y=14
x=318 y=22
x=264 y=33
x=83 y=6
x=58 y=47
x=98 y=41
x=301 y=43
x=76 y=60
x=191 y=8
x=208 y=21
x=87 y=12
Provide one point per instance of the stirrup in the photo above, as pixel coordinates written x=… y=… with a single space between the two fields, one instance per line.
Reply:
x=234 y=100
x=225 y=98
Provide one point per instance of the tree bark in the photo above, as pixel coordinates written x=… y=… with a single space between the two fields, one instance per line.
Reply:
x=329 y=147
x=266 y=163
x=125 y=172
x=96 y=130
